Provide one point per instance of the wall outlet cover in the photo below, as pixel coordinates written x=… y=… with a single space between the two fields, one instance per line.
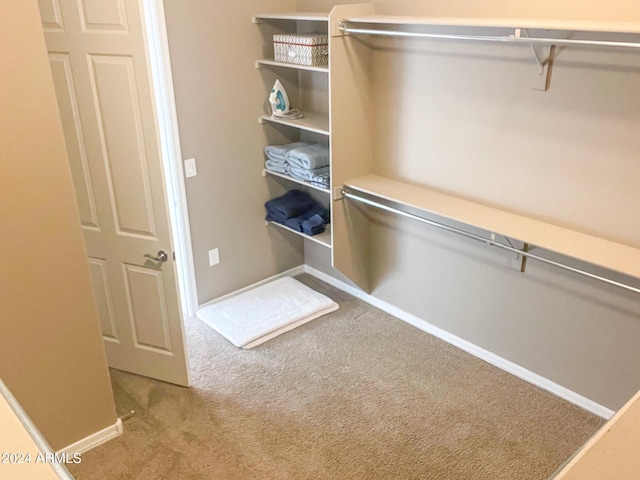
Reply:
x=214 y=257
x=190 y=169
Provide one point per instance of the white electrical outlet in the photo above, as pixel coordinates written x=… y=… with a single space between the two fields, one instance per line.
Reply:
x=190 y=169
x=214 y=257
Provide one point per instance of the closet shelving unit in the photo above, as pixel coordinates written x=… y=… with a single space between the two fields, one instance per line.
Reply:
x=314 y=122
x=406 y=199
x=354 y=179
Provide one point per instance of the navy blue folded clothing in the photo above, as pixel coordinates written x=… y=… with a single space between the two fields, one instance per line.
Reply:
x=313 y=225
x=273 y=219
x=290 y=205
x=296 y=223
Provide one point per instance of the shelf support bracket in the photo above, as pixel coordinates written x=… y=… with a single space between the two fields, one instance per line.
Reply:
x=543 y=60
x=521 y=254
x=509 y=242
x=523 y=263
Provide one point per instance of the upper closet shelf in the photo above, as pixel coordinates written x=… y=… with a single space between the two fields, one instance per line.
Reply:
x=588 y=248
x=588 y=33
x=563 y=25
x=295 y=16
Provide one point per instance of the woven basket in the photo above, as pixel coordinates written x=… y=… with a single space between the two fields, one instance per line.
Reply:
x=302 y=49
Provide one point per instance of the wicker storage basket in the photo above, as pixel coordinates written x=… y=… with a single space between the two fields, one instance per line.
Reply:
x=301 y=49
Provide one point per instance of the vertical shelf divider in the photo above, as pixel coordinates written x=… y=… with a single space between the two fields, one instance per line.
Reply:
x=351 y=128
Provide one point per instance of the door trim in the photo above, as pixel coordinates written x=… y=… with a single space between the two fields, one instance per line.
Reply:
x=152 y=12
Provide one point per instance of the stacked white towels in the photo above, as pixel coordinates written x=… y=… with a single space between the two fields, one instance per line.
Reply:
x=277 y=156
x=308 y=162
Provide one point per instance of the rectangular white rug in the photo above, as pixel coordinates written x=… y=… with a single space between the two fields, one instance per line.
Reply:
x=262 y=313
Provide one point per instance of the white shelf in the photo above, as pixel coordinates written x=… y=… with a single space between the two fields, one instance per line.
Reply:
x=595 y=250
x=295 y=180
x=563 y=25
x=273 y=63
x=311 y=122
x=323 y=238
x=295 y=16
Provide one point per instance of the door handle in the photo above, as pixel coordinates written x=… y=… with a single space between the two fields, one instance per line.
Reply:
x=162 y=256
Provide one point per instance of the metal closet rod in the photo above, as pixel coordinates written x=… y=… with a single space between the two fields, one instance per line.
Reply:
x=491 y=38
x=352 y=196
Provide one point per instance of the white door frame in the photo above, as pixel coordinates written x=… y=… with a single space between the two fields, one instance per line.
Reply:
x=167 y=119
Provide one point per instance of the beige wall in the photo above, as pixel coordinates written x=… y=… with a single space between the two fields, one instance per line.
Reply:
x=51 y=353
x=219 y=97
x=462 y=118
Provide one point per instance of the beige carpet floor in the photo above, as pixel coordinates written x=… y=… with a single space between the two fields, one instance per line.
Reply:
x=356 y=394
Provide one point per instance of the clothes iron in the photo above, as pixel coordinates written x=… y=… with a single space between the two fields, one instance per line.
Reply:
x=280 y=105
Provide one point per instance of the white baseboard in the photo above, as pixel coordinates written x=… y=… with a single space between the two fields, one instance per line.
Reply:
x=92 y=441
x=475 y=350
x=289 y=273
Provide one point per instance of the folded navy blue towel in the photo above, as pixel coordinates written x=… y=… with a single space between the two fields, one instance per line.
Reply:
x=313 y=225
x=290 y=205
x=274 y=219
x=296 y=223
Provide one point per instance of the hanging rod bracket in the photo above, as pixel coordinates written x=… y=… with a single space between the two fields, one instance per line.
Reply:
x=508 y=240
x=543 y=59
x=520 y=254
x=523 y=263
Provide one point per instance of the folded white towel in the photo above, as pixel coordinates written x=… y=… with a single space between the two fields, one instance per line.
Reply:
x=279 y=152
x=272 y=166
x=309 y=156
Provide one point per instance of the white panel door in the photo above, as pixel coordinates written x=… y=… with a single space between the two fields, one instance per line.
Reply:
x=99 y=65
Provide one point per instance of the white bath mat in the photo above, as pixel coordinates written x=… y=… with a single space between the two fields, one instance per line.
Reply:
x=262 y=313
